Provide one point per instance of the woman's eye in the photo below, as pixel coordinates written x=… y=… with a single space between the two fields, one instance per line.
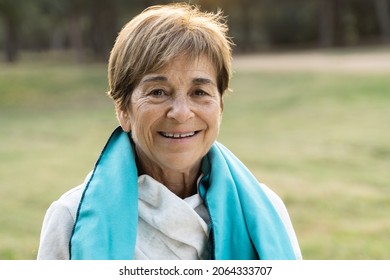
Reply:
x=157 y=92
x=200 y=93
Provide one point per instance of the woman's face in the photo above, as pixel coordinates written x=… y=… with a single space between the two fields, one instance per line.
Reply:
x=175 y=114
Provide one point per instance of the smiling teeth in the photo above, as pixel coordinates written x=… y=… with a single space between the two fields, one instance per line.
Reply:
x=178 y=135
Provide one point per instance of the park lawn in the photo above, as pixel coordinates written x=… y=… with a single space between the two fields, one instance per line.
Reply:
x=320 y=140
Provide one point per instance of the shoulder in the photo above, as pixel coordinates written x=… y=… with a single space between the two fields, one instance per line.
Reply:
x=282 y=211
x=70 y=200
x=275 y=199
x=58 y=225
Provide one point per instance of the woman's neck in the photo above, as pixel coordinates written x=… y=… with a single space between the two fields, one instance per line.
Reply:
x=183 y=183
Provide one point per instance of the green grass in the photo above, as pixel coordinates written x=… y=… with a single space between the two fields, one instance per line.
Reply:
x=54 y=121
x=320 y=140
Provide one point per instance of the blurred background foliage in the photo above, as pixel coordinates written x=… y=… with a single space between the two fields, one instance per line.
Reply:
x=88 y=27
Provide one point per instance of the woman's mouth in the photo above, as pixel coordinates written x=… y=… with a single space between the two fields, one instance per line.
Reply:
x=178 y=135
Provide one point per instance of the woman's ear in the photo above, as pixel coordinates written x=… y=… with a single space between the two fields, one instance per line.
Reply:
x=124 y=120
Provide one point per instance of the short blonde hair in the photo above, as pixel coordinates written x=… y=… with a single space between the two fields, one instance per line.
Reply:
x=157 y=36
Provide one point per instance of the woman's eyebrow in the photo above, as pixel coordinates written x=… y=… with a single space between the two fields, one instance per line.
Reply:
x=160 y=78
x=202 y=81
x=154 y=79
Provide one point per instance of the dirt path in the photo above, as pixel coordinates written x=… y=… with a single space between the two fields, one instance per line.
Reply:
x=373 y=60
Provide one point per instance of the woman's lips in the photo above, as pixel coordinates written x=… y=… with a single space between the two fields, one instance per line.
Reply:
x=177 y=135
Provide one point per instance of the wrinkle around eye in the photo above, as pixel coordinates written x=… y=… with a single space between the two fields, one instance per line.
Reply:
x=205 y=96
x=200 y=93
x=157 y=93
x=156 y=96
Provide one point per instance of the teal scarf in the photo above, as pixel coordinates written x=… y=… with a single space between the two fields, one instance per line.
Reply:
x=244 y=223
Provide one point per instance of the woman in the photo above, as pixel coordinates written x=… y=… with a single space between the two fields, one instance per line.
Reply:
x=163 y=188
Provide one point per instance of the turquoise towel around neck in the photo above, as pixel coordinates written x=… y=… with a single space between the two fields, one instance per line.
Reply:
x=244 y=223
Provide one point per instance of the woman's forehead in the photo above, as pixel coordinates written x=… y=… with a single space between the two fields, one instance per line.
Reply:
x=200 y=67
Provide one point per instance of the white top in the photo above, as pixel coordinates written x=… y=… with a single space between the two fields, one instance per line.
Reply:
x=168 y=226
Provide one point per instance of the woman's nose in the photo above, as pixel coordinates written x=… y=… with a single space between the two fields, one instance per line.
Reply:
x=181 y=109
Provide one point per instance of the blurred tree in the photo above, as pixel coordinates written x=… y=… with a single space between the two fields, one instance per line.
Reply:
x=382 y=10
x=90 y=26
x=55 y=12
x=326 y=21
x=103 y=26
x=289 y=23
x=245 y=23
x=330 y=23
x=66 y=25
x=75 y=15
x=11 y=13
x=83 y=25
